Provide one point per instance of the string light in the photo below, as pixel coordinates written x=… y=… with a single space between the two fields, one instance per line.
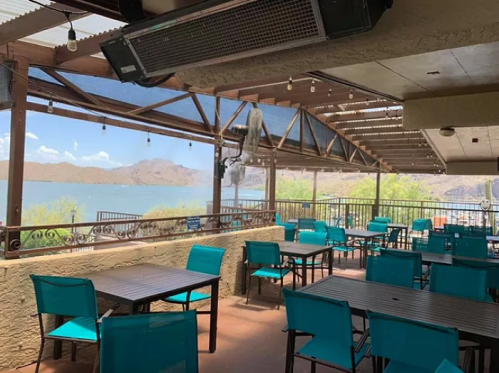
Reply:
x=386 y=114
x=312 y=86
x=350 y=95
x=50 y=108
x=367 y=101
x=103 y=130
x=148 y=140
x=72 y=45
x=329 y=92
x=290 y=84
x=190 y=144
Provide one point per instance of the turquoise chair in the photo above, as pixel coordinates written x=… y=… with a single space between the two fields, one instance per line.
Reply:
x=278 y=219
x=391 y=271
x=312 y=238
x=411 y=346
x=462 y=282
x=471 y=247
x=289 y=231
x=420 y=272
x=378 y=242
x=204 y=259
x=393 y=237
x=330 y=323
x=71 y=297
x=350 y=222
x=456 y=229
x=151 y=343
x=481 y=231
x=337 y=238
x=432 y=244
x=449 y=238
x=448 y=367
x=382 y=219
x=491 y=268
x=320 y=226
x=267 y=256
x=306 y=224
x=421 y=225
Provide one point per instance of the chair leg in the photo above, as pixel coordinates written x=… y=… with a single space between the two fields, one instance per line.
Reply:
x=481 y=359
x=373 y=359
x=249 y=288
x=183 y=307
x=187 y=306
x=42 y=346
x=259 y=286
x=96 y=368
x=294 y=277
x=314 y=367
x=73 y=352
x=280 y=293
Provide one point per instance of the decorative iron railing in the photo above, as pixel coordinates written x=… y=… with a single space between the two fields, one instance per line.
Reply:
x=25 y=241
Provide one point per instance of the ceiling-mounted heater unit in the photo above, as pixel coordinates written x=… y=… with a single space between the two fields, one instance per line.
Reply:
x=216 y=31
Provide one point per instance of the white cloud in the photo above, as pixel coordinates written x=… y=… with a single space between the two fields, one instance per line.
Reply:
x=75 y=146
x=69 y=156
x=101 y=157
x=47 y=153
x=5 y=146
x=32 y=136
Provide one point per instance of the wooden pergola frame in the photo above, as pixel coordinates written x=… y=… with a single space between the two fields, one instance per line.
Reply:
x=359 y=130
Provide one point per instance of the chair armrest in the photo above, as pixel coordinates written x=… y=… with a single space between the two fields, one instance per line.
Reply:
x=108 y=313
x=469 y=360
x=368 y=352
x=362 y=341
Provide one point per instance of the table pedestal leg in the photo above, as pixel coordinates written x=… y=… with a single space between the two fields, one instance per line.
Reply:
x=214 y=317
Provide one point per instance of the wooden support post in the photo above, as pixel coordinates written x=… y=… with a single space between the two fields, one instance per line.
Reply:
x=267 y=179
x=272 y=181
x=17 y=143
x=217 y=182
x=314 y=194
x=236 y=195
x=378 y=192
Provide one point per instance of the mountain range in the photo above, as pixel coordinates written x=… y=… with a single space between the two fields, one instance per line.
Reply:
x=164 y=172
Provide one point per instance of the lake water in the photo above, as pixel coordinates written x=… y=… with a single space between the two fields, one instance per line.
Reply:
x=133 y=199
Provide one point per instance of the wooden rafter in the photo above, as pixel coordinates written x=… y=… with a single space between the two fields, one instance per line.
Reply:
x=353 y=155
x=365 y=115
x=36 y=21
x=363 y=158
x=344 y=148
x=369 y=123
x=199 y=108
x=377 y=130
x=160 y=104
x=234 y=116
x=330 y=146
x=313 y=132
x=400 y=136
x=288 y=130
x=73 y=87
x=255 y=84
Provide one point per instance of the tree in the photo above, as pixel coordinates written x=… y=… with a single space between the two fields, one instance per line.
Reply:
x=393 y=187
x=298 y=189
x=55 y=212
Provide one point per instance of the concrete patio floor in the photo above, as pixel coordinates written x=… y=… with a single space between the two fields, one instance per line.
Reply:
x=249 y=337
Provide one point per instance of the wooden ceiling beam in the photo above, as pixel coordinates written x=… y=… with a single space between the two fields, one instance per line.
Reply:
x=410 y=136
x=36 y=21
x=365 y=115
x=257 y=84
x=354 y=104
x=312 y=99
x=368 y=123
x=373 y=144
x=86 y=47
x=379 y=130
x=300 y=89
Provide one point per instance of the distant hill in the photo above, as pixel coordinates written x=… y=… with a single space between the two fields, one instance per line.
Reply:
x=149 y=172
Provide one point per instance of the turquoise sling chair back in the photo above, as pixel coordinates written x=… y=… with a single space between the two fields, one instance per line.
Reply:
x=332 y=343
x=71 y=297
x=204 y=259
x=151 y=343
x=391 y=270
x=424 y=345
x=383 y=219
x=415 y=258
x=472 y=247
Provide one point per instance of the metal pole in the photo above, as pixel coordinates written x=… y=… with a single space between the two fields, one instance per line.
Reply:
x=378 y=192
x=236 y=195
x=272 y=181
x=314 y=195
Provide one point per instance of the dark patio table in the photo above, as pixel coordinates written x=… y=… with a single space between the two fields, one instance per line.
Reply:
x=476 y=321
x=430 y=258
x=403 y=227
x=139 y=285
x=366 y=235
x=296 y=250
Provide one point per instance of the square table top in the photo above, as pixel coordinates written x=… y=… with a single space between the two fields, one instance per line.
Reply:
x=429 y=258
x=300 y=249
x=146 y=282
x=468 y=316
x=360 y=233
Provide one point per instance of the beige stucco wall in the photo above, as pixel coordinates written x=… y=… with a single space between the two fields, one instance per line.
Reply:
x=19 y=332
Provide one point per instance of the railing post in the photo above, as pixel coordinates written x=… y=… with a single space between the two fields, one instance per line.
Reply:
x=272 y=180
x=347 y=214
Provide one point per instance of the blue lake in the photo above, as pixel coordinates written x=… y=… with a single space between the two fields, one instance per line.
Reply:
x=131 y=199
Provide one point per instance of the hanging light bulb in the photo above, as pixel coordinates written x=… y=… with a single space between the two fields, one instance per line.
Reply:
x=290 y=84
x=312 y=86
x=367 y=101
x=387 y=115
x=148 y=140
x=350 y=95
x=258 y=160
x=50 y=108
x=71 y=45
x=263 y=163
x=103 y=130
x=190 y=145
x=329 y=92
